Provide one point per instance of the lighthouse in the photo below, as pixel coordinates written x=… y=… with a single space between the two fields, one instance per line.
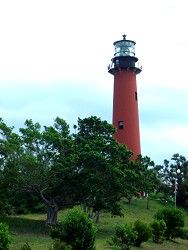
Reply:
x=124 y=67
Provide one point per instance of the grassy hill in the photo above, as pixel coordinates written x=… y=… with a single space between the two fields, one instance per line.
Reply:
x=30 y=228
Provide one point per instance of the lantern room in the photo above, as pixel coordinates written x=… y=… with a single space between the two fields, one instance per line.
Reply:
x=124 y=47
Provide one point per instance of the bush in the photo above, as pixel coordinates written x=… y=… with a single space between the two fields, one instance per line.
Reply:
x=60 y=245
x=124 y=237
x=76 y=230
x=183 y=233
x=173 y=219
x=58 y=232
x=26 y=246
x=143 y=232
x=5 y=238
x=158 y=228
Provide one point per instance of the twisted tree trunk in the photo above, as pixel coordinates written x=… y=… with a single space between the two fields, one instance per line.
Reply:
x=148 y=201
x=52 y=209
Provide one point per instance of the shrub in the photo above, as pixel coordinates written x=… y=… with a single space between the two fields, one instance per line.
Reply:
x=60 y=245
x=173 y=219
x=5 y=238
x=124 y=236
x=158 y=228
x=183 y=233
x=76 y=230
x=143 y=232
x=26 y=246
x=58 y=231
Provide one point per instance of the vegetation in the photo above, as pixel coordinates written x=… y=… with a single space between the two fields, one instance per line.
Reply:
x=125 y=236
x=26 y=246
x=158 y=228
x=51 y=169
x=31 y=228
x=183 y=234
x=5 y=238
x=60 y=245
x=143 y=232
x=76 y=230
x=174 y=220
x=174 y=178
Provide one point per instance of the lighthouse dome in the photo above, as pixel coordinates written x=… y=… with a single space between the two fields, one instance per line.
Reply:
x=124 y=48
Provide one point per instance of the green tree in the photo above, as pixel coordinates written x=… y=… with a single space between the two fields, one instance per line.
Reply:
x=144 y=179
x=102 y=166
x=39 y=162
x=46 y=165
x=149 y=177
x=174 y=176
x=89 y=167
x=10 y=151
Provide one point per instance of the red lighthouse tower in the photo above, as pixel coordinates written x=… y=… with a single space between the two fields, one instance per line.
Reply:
x=125 y=67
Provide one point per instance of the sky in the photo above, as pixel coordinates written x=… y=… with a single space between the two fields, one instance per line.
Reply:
x=54 y=57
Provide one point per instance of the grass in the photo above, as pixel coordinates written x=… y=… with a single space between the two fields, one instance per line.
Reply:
x=31 y=228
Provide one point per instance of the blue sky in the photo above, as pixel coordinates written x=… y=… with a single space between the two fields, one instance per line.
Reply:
x=54 y=57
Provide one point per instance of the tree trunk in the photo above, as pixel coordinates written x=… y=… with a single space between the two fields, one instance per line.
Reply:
x=148 y=200
x=51 y=214
x=52 y=209
x=129 y=200
x=97 y=214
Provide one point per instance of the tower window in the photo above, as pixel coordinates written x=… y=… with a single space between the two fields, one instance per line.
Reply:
x=136 y=97
x=120 y=124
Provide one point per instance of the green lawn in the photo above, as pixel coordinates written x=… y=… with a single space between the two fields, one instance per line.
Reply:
x=31 y=228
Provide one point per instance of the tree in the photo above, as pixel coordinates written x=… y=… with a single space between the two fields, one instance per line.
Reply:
x=102 y=165
x=147 y=176
x=89 y=167
x=38 y=162
x=142 y=177
x=10 y=151
x=46 y=165
x=174 y=176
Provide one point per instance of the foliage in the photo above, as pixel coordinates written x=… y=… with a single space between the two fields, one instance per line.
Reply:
x=183 y=233
x=158 y=228
x=26 y=246
x=102 y=165
x=173 y=219
x=46 y=164
x=60 y=245
x=174 y=177
x=5 y=238
x=147 y=179
x=125 y=236
x=48 y=168
x=10 y=151
x=33 y=227
x=38 y=162
x=76 y=230
x=143 y=232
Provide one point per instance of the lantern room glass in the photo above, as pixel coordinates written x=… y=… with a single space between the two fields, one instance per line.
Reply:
x=124 y=48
